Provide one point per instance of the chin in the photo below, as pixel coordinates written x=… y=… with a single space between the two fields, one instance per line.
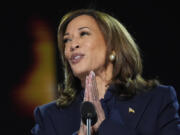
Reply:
x=80 y=73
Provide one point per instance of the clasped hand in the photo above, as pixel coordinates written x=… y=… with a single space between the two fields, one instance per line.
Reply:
x=92 y=95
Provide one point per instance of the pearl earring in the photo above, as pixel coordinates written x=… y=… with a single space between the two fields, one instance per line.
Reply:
x=112 y=56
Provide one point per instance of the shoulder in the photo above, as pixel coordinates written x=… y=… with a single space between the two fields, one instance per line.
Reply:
x=48 y=106
x=157 y=96
x=166 y=90
x=162 y=96
x=45 y=108
x=53 y=108
x=158 y=91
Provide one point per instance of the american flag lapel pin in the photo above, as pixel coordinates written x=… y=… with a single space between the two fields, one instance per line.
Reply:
x=131 y=110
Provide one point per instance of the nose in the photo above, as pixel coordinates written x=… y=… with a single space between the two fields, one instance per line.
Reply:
x=73 y=47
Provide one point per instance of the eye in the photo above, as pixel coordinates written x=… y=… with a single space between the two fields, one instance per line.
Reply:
x=83 y=33
x=66 y=40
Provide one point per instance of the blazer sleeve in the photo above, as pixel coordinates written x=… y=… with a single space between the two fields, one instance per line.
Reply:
x=169 y=120
x=43 y=124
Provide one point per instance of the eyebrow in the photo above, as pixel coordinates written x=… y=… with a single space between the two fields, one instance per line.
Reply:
x=83 y=28
x=78 y=29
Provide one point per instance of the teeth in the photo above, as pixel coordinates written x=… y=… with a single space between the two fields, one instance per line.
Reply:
x=77 y=57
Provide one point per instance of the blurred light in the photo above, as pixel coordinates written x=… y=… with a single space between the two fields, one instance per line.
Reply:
x=38 y=85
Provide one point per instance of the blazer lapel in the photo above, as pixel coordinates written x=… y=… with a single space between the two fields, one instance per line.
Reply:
x=132 y=110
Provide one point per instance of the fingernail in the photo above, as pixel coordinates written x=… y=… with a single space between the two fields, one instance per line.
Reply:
x=92 y=73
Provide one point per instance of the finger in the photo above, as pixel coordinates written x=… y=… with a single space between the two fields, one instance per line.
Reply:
x=92 y=84
x=90 y=92
x=86 y=87
x=89 y=89
x=95 y=90
x=82 y=130
x=94 y=87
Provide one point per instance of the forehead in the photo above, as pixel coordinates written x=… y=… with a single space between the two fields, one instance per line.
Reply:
x=81 y=21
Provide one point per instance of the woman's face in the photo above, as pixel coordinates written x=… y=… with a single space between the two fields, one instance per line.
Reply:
x=85 y=47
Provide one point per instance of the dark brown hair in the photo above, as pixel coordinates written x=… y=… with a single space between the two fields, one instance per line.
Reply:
x=127 y=67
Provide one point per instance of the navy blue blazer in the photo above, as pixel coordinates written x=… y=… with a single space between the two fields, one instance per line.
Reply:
x=150 y=113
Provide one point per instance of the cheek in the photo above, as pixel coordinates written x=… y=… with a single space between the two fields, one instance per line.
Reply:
x=99 y=51
x=97 y=56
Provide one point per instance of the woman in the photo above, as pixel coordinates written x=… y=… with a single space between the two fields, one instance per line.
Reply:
x=102 y=65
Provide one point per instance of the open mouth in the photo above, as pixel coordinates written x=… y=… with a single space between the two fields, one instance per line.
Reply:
x=76 y=58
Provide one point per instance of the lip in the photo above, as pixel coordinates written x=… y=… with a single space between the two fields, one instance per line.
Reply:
x=76 y=58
